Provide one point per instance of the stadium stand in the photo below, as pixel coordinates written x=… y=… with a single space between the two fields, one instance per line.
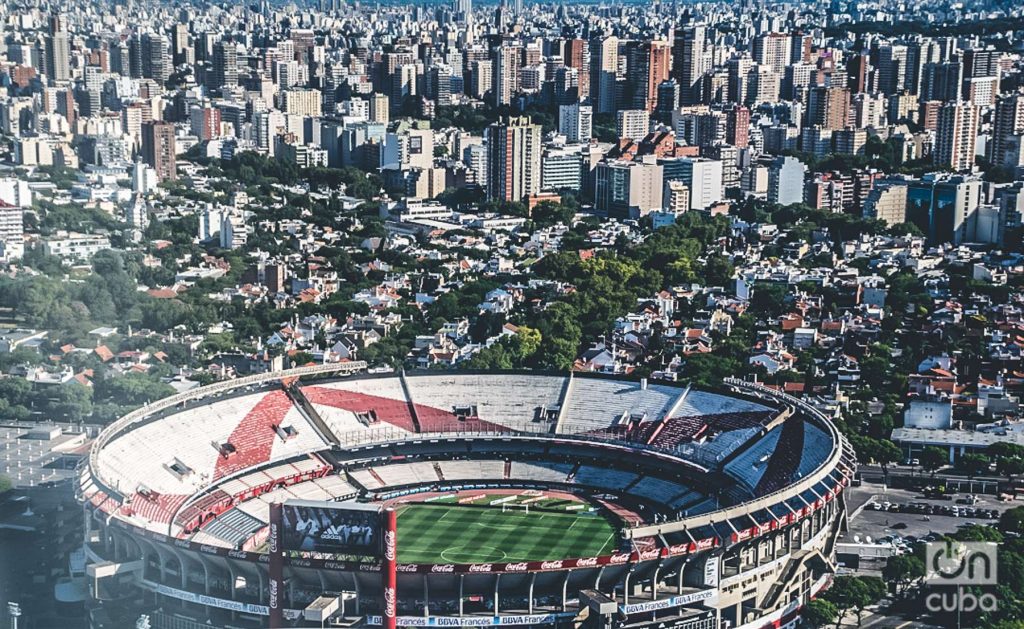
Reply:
x=751 y=464
x=406 y=474
x=656 y=489
x=706 y=403
x=374 y=400
x=140 y=458
x=602 y=477
x=546 y=472
x=472 y=470
x=233 y=527
x=365 y=479
x=595 y=404
x=785 y=460
x=507 y=400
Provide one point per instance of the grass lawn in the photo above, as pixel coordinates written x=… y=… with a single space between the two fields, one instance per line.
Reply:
x=446 y=533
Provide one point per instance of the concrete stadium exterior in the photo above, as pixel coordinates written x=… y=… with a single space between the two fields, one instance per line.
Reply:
x=741 y=491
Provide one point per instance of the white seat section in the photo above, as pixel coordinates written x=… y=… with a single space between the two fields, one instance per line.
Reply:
x=407 y=474
x=342 y=422
x=207 y=539
x=656 y=489
x=390 y=387
x=594 y=403
x=600 y=477
x=751 y=464
x=507 y=400
x=140 y=456
x=365 y=478
x=705 y=403
x=257 y=509
x=307 y=439
x=472 y=470
x=336 y=486
x=548 y=472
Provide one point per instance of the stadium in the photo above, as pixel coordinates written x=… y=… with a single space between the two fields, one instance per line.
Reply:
x=521 y=498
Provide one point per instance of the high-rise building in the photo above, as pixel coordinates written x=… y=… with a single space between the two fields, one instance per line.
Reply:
x=513 y=159
x=857 y=68
x=892 y=68
x=301 y=102
x=135 y=54
x=828 y=107
x=156 y=58
x=689 y=62
x=158 y=149
x=506 y=73
x=955 y=135
x=887 y=202
x=981 y=70
x=649 y=64
x=561 y=168
x=463 y=10
x=668 y=100
x=577 y=56
x=786 y=180
x=58 y=51
x=575 y=122
x=625 y=189
x=605 y=61
x=773 y=50
x=702 y=176
x=224 y=73
x=379 y=108
x=634 y=124
x=737 y=126
x=180 y=44
x=1007 y=127
x=944 y=207
x=205 y=122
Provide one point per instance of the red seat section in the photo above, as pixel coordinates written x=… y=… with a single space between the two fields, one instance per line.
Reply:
x=155 y=507
x=438 y=420
x=394 y=412
x=253 y=437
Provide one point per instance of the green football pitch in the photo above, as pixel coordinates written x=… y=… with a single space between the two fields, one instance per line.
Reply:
x=444 y=533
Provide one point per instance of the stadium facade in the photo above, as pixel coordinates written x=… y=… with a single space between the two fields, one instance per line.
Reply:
x=729 y=502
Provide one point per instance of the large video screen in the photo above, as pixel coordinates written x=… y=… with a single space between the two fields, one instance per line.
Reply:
x=321 y=528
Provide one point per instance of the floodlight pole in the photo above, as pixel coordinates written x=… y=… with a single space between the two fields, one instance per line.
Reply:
x=14 y=610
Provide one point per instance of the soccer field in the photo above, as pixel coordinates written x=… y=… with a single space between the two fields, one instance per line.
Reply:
x=441 y=533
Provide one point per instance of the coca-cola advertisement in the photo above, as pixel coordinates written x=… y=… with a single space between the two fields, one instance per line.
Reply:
x=334 y=528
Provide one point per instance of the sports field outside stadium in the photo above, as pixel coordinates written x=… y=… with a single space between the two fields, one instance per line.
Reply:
x=447 y=532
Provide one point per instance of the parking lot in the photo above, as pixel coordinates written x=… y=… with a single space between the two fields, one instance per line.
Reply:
x=927 y=516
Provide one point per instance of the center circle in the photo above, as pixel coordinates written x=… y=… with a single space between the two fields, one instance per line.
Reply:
x=472 y=554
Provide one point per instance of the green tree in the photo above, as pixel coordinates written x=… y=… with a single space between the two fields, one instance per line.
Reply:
x=5 y=484
x=1012 y=521
x=903 y=571
x=848 y=593
x=933 y=459
x=1010 y=466
x=818 y=613
x=974 y=464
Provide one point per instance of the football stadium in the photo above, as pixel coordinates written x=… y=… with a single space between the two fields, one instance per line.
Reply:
x=324 y=496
